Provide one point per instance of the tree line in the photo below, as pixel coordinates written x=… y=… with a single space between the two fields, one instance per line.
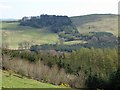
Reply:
x=62 y=25
x=92 y=68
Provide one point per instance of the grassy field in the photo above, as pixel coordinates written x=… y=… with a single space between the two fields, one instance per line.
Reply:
x=96 y=23
x=14 y=81
x=107 y=25
x=13 y=34
x=74 y=42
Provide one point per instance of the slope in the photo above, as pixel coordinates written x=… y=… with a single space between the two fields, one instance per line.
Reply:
x=13 y=34
x=96 y=23
x=17 y=81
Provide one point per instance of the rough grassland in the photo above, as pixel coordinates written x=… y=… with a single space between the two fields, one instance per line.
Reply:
x=75 y=41
x=96 y=23
x=13 y=34
x=107 y=25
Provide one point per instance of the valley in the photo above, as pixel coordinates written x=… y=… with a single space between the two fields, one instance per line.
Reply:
x=52 y=51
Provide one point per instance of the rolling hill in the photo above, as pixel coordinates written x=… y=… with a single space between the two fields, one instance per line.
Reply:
x=13 y=33
x=96 y=23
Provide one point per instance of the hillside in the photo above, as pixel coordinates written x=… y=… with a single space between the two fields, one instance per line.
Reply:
x=18 y=81
x=97 y=23
x=71 y=69
x=62 y=25
x=78 y=52
x=14 y=33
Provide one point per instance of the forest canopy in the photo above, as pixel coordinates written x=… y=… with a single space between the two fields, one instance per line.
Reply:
x=55 y=22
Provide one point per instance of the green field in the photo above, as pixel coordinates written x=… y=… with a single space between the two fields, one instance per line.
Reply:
x=14 y=81
x=74 y=42
x=13 y=34
x=96 y=23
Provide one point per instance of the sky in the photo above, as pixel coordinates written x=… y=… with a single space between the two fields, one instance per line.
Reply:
x=19 y=8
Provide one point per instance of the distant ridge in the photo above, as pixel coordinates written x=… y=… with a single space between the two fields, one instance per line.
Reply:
x=79 y=20
x=96 y=23
x=80 y=25
x=8 y=19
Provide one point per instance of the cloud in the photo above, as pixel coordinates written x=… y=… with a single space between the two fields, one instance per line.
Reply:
x=2 y=6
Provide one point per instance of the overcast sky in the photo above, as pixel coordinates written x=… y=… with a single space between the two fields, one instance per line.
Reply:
x=19 y=8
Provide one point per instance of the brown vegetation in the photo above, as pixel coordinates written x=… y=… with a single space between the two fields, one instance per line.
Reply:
x=40 y=72
x=79 y=69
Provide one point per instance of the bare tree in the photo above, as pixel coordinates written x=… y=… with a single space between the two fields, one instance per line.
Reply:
x=24 y=45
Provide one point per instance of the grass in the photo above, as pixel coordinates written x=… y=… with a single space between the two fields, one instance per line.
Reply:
x=15 y=82
x=103 y=25
x=13 y=34
x=97 y=23
x=75 y=42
